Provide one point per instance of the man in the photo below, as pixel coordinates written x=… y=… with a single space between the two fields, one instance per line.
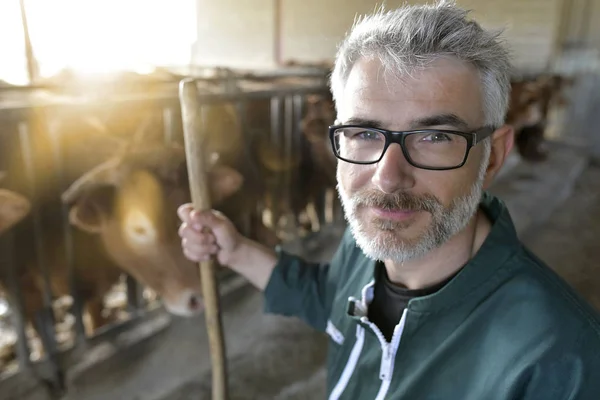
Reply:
x=430 y=294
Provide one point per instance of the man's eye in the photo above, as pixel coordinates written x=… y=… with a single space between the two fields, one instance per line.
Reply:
x=368 y=135
x=438 y=137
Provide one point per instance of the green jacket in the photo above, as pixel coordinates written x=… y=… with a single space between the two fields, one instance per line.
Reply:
x=505 y=327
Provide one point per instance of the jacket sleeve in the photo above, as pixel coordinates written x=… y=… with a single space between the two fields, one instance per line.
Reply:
x=572 y=375
x=302 y=289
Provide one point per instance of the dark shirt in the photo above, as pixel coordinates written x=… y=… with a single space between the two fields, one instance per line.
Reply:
x=390 y=300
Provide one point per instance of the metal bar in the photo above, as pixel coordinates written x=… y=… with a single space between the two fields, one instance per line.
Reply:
x=262 y=94
x=297 y=136
x=274 y=139
x=288 y=133
x=250 y=137
x=135 y=296
x=241 y=109
x=168 y=121
x=44 y=323
x=29 y=164
x=77 y=307
x=298 y=109
x=275 y=119
x=20 y=109
x=17 y=304
x=304 y=72
x=45 y=319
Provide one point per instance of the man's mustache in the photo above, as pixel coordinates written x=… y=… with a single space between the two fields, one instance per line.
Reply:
x=397 y=201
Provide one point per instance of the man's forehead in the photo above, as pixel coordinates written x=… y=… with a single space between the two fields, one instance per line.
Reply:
x=446 y=87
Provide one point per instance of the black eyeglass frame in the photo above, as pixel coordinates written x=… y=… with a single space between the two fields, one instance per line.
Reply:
x=399 y=137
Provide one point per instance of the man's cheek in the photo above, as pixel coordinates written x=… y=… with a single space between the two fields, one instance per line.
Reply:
x=353 y=177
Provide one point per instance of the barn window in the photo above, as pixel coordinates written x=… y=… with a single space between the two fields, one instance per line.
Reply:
x=96 y=36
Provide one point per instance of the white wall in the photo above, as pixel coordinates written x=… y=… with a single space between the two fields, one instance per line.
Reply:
x=242 y=33
x=235 y=33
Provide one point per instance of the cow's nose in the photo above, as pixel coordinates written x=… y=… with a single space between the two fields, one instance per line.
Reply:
x=186 y=303
x=195 y=302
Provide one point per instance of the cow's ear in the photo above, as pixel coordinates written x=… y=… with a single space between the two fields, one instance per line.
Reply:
x=223 y=181
x=92 y=208
x=13 y=208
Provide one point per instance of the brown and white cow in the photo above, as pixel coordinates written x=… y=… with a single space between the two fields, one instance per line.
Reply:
x=529 y=108
x=130 y=202
x=124 y=211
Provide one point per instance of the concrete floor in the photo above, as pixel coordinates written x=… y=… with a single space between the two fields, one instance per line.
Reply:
x=569 y=242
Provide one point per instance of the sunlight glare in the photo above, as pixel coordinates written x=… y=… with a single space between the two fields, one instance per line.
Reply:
x=98 y=36
x=13 y=68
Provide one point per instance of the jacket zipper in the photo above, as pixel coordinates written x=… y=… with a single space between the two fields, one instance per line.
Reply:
x=388 y=349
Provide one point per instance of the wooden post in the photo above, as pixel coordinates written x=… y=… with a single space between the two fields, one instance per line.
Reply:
x=197 y=165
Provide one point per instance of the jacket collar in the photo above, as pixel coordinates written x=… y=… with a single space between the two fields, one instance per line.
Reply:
x=485 y=270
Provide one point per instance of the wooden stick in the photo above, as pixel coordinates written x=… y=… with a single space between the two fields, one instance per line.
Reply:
x=197 y=165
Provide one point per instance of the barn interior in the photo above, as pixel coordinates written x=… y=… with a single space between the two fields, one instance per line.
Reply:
x=96 y=300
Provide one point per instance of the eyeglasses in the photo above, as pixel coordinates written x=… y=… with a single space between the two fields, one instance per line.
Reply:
x=432 y=149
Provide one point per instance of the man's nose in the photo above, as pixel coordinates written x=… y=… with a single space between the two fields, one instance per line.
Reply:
x=393 y=171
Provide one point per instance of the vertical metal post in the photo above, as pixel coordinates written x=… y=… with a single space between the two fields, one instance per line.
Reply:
x=287 y=140
x=135 y=296
x=168 y=121
x=7 y=246
x=77 y=307
x=275 y=187
x=45 y=320
x=241 y=109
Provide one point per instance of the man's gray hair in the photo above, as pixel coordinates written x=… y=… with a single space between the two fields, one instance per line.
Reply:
x=412 y=36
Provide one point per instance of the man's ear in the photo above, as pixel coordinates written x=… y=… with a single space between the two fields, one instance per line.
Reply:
x=91 y=209
x=502 y=143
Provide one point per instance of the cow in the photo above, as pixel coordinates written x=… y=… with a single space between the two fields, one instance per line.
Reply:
x=320 y=114
x=13 y=207
x=129 y=202
x=297 y=182
x=39 y=239
x=530 y=104
x=123 y=210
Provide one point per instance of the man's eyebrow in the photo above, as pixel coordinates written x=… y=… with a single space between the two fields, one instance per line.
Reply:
x=440 y=119
x=371 y=123
x=420 y=123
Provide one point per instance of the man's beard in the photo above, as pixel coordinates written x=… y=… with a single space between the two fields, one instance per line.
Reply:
x=379 y=238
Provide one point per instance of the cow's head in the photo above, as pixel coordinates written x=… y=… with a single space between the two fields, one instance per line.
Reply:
x=13 y=208
x=557 y=85
x=272 y=158
x=320 y=113
x=131 y=202
x=525 y=108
